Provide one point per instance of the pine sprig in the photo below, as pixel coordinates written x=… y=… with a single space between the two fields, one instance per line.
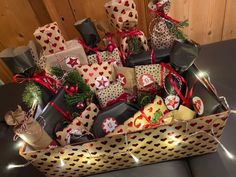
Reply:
x=58 y=72
x=31 y=94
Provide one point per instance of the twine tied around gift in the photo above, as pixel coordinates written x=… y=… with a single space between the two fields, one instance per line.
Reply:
x=43 y=79
x=24 y=126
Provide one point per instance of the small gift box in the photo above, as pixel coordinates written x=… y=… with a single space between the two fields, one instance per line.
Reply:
x=28 y=129
x=123 y=16
x=97 y=76
x=106 y=56
x=80 y=126
x=50 y=38
x=202 y=101
x=108 y=119
x=68 y=59
x=183 y=55
x=19 y=60
x=145 y=58
x=111 y=95
x=126 y=76
x=88 y=32
x=150 y=77
x=55 y=115
x=164 y=30
x=153 y=114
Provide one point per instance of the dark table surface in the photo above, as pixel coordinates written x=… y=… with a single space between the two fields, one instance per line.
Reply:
x=218 y=60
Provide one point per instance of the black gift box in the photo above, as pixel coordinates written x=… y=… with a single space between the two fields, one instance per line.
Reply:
x=55 y=115
x=144 y=58
x=88 y=32
x=117 y=113
x=19 y=60
x=211 y=102
x=183 y=55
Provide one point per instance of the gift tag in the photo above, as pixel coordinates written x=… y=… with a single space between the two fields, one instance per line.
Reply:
x=101 y=82
x=121 y=79
x=72 y=62
x=109 y=124
x=198 y=105
x=172 y=102
x=146 y=80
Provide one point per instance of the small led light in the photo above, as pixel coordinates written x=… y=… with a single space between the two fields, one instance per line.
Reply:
x=20 y=144
x=134 y=157
x=176 y=141
x=11 y=166
x=202 y=74
x=62 y=163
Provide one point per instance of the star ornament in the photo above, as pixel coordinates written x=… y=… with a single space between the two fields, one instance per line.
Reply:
x=101 y=82
x=121 y=79
x=109 y=124
x=172 y=102
x=72 y=62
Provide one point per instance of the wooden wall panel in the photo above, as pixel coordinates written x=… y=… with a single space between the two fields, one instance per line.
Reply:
x=18 y=22
x=229 y=31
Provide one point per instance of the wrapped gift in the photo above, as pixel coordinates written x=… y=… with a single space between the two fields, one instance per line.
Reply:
x=112 y=57
x=124 y=17
x=35 y=51
x=68 y=59
x=79 y=127
x=28 y=129
x=183 y=55
x=164 y=30
x=88 y=32
x=97 y=76
x=150 y=77
x=19 y=60
x=111 y=95
x=153 y=114
x=184 y=114
x=108 y=119
x=202 y=101
x=126 y=76
x=145 y=58
x=50 y=38
x=55 y=115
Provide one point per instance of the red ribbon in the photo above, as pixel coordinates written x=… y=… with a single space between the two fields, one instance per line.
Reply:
x=67 y=115
x=95 y=50
x=188 y=94
x=122 y=97
x=50 y=83
x=131 y=33
x=160 y=13
x=148 y=119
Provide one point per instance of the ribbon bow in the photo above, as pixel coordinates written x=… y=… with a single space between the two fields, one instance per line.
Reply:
x=131 y=33
x=50 y=83
x=148 y=119
x=95 y=50
x=160 y=13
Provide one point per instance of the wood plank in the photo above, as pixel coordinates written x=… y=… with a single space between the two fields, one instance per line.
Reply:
x=206 y=24
x=17 y=21
x=61 y=12
x=5 y=74
x=229 y=31
x=40 y=11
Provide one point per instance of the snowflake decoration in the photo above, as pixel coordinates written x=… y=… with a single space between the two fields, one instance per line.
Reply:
x=109 y=124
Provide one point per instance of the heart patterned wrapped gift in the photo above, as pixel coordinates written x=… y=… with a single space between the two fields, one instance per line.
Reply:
x=98 y=75
x=50 y=38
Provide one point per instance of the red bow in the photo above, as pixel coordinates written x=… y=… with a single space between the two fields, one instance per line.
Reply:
x=95 y=50
x=131 y=33
x=160 y=13
x=50 y=83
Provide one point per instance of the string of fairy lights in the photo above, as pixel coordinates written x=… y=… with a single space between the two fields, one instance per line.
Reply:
x=177 y=142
